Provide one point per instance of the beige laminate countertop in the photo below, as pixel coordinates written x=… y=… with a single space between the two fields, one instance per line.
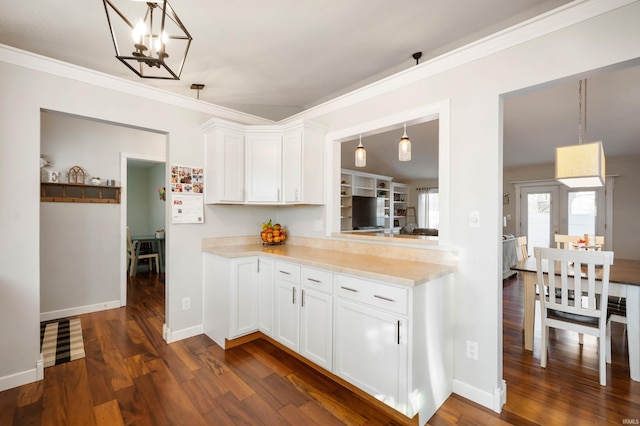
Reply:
x=390 y=270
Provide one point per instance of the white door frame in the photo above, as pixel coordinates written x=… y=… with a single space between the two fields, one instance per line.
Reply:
x=124 y=158
x=604 y=224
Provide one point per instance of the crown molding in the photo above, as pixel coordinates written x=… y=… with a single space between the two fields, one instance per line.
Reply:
x=562 y=17
x=541 y=25
x=51 y=66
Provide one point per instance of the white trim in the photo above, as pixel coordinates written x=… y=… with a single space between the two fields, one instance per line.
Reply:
x=439 y=110
x=538 y=26
x=79 y=310
x=40 y=368
x=554 y=20
x=491 y=400
x=54 y=67
x=174 y=336
x=18 y=379
x=124 y=158
x=500 y=396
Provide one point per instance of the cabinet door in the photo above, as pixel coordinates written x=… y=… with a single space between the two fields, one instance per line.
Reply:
x=244 y=297
x=371 y=351
x=316 y=322
x=292 y=166
x=224 y=167
x=263 y=168
x=287 y=314
x=266 y=276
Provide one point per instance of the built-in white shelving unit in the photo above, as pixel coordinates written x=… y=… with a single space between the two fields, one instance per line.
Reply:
x=354 y=183
x=400 y=198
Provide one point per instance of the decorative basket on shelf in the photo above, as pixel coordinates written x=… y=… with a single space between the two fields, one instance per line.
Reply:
x=272 y=235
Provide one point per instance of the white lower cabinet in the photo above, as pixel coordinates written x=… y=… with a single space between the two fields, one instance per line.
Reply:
x=391 y=341
x=266 y=278
x=231 y=295
x=372 y=338
x=371 y=351
x=304 y=311
x=244 y=297
x=316 y=317
x=287 y=306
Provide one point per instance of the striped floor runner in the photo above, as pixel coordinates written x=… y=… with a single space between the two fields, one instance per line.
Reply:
x=61 y=341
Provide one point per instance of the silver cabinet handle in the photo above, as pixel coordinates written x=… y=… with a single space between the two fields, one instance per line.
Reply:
x=285 y=272
x=398 y=331
x=293 y=296
x=314 y=280
x=388 y=299
x=302 y=301
x=349 y=289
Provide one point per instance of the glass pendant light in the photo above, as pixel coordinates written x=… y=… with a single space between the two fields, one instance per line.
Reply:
x=361 y=155
x=404 y=147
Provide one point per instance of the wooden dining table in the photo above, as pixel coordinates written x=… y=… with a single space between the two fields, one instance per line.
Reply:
x=624 y=281
x=157 y=244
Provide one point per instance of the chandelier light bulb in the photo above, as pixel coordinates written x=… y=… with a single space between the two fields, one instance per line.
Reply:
x=404 y=147
x=361 y=155
x=139 y=32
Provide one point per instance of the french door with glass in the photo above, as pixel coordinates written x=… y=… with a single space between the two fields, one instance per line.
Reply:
x=539 y=215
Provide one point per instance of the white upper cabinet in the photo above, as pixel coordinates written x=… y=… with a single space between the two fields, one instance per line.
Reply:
x=303 y=164
x=264 y=164
x=263 y=152
x=224 y=164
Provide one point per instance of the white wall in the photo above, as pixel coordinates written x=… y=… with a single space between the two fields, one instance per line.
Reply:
x=473 y=90
x=25 y=91
x=80 y=247
x=145 y=209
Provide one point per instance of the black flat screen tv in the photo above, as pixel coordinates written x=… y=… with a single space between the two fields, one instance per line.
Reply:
x=363 y=212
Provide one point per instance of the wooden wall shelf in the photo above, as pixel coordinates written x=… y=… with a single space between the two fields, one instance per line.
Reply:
x=54 y=192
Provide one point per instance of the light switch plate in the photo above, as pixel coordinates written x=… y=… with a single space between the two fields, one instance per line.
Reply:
x=474 y=219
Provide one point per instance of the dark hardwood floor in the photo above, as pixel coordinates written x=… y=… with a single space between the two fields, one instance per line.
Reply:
x=131 y=376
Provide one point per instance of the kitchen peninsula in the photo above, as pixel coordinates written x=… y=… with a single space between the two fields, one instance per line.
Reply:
x=377 y=324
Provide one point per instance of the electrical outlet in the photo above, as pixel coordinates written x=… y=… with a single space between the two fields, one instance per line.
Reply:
x=186 y=303
x=472 y=350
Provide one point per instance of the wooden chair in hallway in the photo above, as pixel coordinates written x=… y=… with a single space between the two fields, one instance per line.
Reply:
x=522 y=250
x=134 y=256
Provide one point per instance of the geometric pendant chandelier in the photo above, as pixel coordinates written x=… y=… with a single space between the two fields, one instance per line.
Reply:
x=149 y=38
x=582 y=165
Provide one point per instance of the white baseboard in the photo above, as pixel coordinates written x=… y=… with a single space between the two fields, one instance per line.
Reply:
x=494 y=401
x=19 y=379
x=174 y=336
x=40 y=368
x=78 y=310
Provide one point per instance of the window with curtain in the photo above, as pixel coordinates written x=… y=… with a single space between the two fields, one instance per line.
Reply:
x=428 y=210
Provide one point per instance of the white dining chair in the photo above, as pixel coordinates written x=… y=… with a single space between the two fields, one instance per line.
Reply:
x=617 y=305
x=586 y=314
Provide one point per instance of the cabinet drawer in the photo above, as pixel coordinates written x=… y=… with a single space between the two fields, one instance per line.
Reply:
x=376 y=294
x=288 y=272
x=317 y=279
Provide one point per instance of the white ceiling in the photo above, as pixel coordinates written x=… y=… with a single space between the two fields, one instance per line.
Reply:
x=276 y=58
